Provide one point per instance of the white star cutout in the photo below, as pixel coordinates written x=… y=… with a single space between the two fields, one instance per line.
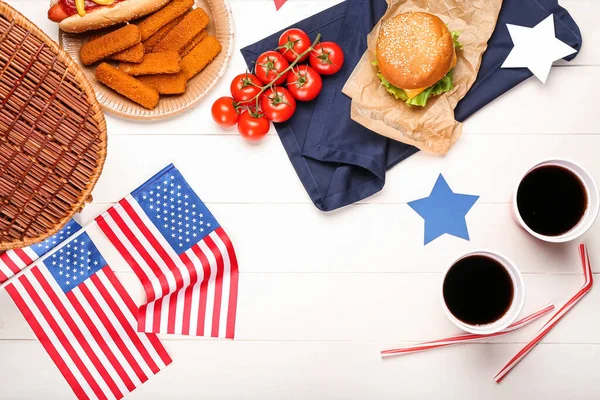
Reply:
x=536 y=48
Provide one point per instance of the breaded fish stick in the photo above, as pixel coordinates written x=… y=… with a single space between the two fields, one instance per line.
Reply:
x=200 y=56
x=134 y=54
x=109 y=44
x=152 y=40
x=127 y=86
x=166 y=83
x=190 y=26
x=168 y=13
x=154 y=63
x=194 y=42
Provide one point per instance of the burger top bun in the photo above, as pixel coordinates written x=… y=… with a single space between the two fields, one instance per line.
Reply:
x=414 y=50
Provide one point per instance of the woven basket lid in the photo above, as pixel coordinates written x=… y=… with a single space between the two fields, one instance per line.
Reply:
x=52 y=134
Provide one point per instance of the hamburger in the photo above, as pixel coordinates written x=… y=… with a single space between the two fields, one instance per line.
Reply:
x=75 y=16
x=415 y=56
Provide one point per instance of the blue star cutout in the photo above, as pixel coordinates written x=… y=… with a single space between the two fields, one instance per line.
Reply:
x=444 y=211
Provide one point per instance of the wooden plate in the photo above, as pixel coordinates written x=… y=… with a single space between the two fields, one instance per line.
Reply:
x=221 y=26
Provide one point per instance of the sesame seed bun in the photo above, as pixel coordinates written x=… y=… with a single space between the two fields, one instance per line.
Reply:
x=414 y=50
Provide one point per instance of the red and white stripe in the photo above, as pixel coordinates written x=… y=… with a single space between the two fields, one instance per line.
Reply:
x=467 y=337
x=589 y=281
x=194 y=293
x=13 y=261
x=89 y=332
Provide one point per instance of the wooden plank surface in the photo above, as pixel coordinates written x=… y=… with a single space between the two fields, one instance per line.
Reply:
x=322 y=294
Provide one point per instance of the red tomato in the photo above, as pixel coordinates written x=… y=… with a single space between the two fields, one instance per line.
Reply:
x=278 y=104
x=253 y=126
x=268 y=65
x=245 y=87
x=304 y=83
x=224 y=112
x=292 y=43
x=327 y=58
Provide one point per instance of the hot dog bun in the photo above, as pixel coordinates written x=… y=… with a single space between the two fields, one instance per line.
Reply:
x=123 y=11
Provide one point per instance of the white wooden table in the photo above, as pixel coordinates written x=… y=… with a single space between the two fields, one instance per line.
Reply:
x=321 y=294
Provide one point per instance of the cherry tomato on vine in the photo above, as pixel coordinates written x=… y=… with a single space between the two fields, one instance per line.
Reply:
x=253 y=126
x=304 y=83
x=268 y=65
x=245 y=87
x=327 y=58
x=292 y=43
x=224 y=112
x=278 y=104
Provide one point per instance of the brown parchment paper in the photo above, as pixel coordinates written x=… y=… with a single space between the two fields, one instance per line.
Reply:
x=431 y=128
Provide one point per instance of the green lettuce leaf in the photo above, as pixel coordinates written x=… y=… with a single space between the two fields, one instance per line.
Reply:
x=442 y=86
x=455 y=35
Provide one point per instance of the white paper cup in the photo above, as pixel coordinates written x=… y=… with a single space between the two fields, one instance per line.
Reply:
x=591 y=212
x=515 y=307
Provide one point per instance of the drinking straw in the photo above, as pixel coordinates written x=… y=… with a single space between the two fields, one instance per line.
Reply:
x=589 y=281
x=466 y=337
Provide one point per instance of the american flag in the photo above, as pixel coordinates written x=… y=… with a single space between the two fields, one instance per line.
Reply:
x=180 y=253
x=83 y=316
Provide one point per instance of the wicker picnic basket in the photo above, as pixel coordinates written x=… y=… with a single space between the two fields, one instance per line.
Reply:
x=52 y=134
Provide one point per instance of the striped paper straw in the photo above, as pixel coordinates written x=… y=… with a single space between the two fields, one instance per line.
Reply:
x=467 y=337
x=589 y=281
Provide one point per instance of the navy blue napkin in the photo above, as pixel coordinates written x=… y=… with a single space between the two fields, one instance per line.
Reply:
x=338 y=160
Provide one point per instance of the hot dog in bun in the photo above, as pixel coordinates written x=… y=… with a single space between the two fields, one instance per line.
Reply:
x=77 y=16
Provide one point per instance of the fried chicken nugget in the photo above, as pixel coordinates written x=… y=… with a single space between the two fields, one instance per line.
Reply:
x=152 y=23
x=189 y=27
x=200 y=56
x=166 y=83
x=134 y=54
x=195 y=41
x=109 y=44
x=152 y=40
x=154 y=63
x=127 y=86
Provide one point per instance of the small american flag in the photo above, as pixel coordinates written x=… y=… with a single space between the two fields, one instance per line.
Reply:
x=184 y=259
x=83 y=316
